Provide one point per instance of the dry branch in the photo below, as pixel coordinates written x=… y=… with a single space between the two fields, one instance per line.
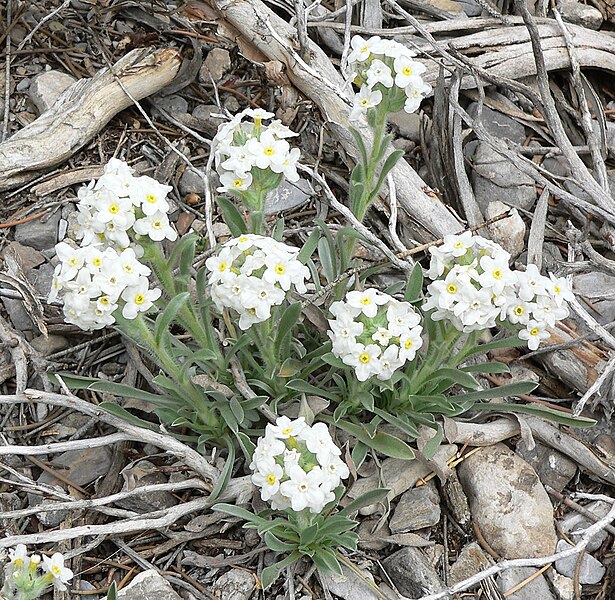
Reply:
x=320 y=81
x=81 y=112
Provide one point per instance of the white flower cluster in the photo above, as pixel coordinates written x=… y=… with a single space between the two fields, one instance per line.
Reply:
x=374 y=333
x=24 y=579
x=253 y=273
x=251 y=154
x=385 y=69
x=104 y=273
x=475 y=288
x=297 y=466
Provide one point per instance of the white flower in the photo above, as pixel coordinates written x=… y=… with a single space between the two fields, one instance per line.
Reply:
x=55 y=566
x=303 y=489
x=559 y=289
x=416 y=90
x=284 y=428
x=457 y=245
x=268 y=447
x=261 y=296
x=364 y=359
x=319 y=441
x=19 y=556
x=150 y=195
x=390 y=361
x=156 y=227
x=368 y=301
x=401 y=317
x=240 y=161
x=531 y=283
x=379 y=72
x=519 y=312
x=267 y=150
x=268 y=478
x=288 y=167
x=534 y=333
x=406 y=70
x=334 y=469
x=410 y=343
x=362 y=49
x=285 y=270
x=496 y=273
x=111 y=208
x=365 y=99
x=139 y=298
x=72 y=260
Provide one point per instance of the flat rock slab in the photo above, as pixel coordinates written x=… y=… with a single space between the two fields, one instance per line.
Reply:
x=591 y=570
x=148 y=585
x=537 y=589
x=412 y=573
x=553 y=467
x=508 y=503
x=417 y=509
x=235 y=584
x=471 y=561
x=350 y=586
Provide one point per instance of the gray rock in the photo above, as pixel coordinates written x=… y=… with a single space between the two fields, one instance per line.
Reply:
x=562 y=586
x=191 y=183
x=349 y=586
x=145 y=473
x=288 y=196
x=232 y=104
x=456 y=499
x=499 y=124
x=39 y=233
x=216 y=64
x=50 y=344
x=471 y=561
x=508 y=503
x=148 y=585
x=408 y=124
x=591 y=571
x=580 y=14
x=207 y=122
x=417 y=508
x=397 y=475
x=536 y=589
x=412 y=573
x=24 y=84
x=496 y=178
x=235 y=584
x=509 y=232
x=41 y=279
x=18 y=314
x=593 y=286
x=47 y=88
x=556 y=165
x=370 y=539
x=573 y=521
x=27 y=257
x=553 y=467
x=470 y=7
x=173 y=104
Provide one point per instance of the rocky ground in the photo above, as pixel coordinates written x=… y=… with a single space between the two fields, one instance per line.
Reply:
x=507 y=489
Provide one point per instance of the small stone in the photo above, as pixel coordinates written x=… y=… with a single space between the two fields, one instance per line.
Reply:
x=235 y=584
x=216 y=64
x=349 y=586
x=148 y=585
x=18 y=315
x=499 y=124
x=39 y=233
x=573 y=521
x=562 y=585
x=592 y=286
x=23 y=85
x=232 y=104
x=173 y=104
x=591 y=571
x=408 y=124
x=470 y=7
x=417 y=509
x=456 y=499
x=47 y=87
x=450 y=6
x=145 y=473
x=27 y=257
x=580 y=14
x=369 y=540
x=204 y=113
x=191 y=183
x=50 y=344
x=471 y=561
x=288 y=196
x=496 y=178
x=412 y=573
x=508 y=503
x=536 y=589
x=508 y=232
x=553 y=467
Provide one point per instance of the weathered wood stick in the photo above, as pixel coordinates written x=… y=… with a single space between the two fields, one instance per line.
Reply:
x=81 y=112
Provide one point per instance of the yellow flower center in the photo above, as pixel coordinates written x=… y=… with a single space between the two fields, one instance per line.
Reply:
x=458 y=245
x=269 y=151
x=451 y=288
x=97 y=262
x=222 y=267
x=243 y=238
x=534 y=331
x=557 y=289
x=271 y=479
x=280 y=269
x=151 y=198
x=407 y=71
x=519 y=310
x=73 y=261
x=287 y=431
x=157 y=224
x=139 y=299
x=18 y=562
x=56 y=570
x=497 y=274
x=364 y=358
x=104 y=300
x=408 y=344
x=238 y=183
x=365 y=301
x=114 y=209
x=364 y=102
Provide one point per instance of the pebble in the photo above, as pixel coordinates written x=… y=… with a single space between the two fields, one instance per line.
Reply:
x=496 y=178
x=412 y=573
x=47 y=87
x=537 y=589
x=593 y=285
x=499 y=124
x=136 y=476
x=288 y=196
x=191 y=183
x=216 y=64
x=148 y=585
x=573 y=521
x=41 y=233
x=591 y=571
x=173 y=104
x=580 y=14
x=562 y=586
x=508 y=503
x=207 y=122
x=349 y=586
x=47 y=345
x=553 y=467
x=417 y=508
x=235 y=584
x=408 y=124
x=456 y=499
x=509 y=232
x=471 y=561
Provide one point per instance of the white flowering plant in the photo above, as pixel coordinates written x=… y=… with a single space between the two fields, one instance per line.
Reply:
x=29 y=576
x=252 y=158
x=299 y=471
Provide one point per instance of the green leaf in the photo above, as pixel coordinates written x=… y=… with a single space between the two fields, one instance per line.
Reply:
x=381 y=442
x=237 y=409
x=271 y=573
x=278 y=230
x=512 y=389
x=163 y=321
x=277 y=545
x=326 y=561
x=308 y=535
x=360 y=144
x=287 y=322
x=333 y=360
x=227 y=471
x=456 y=376
x=433 y=444
x=237 y=511
x=544 y=412
x=112 y=592
x=336 y=524
x=359 y=454
x=308 y=248
x=487 y=367
x=399 y=422
x=307 y=388
x=389 y=163
x=247 y=445
x=509 y=342
x=117 y=411
x=232 y=217
x=329 y=267
x=366 y=499
x=185 y=244
x=414 y=289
